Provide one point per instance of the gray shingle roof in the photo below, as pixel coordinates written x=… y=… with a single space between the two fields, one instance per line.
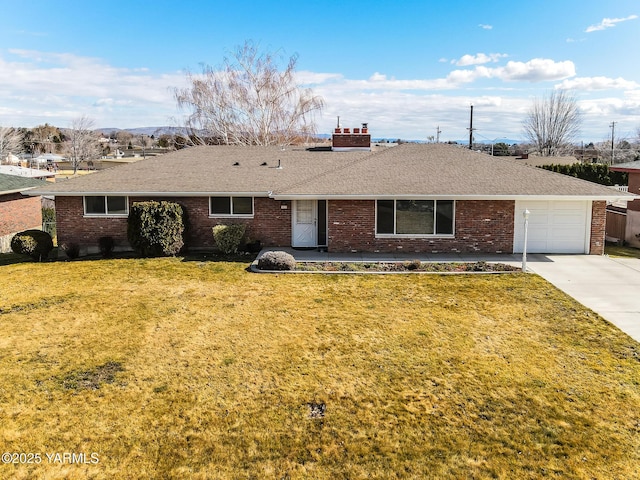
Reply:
x=405 y=170
x=15 y=183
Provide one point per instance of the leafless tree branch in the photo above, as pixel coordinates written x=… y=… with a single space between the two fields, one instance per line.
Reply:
x=82 y=142
x=552 y=122
x=248 y=101
x=10 y=142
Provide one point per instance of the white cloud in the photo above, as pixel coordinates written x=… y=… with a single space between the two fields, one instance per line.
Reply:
x=608 y=23
x=485 y=26
x=38 y=87
x=60 y=86
x=598 y=83
x=536 y=70
x=478 y=59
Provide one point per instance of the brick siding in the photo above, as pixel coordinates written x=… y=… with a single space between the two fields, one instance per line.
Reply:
x=18 y=213
x=480 y=226
x=598 y=227
x=271 y=223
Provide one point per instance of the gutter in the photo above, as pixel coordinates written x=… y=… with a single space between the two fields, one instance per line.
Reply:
x=611 y=198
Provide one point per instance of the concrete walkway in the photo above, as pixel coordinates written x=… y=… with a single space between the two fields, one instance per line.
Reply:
x=608 y=286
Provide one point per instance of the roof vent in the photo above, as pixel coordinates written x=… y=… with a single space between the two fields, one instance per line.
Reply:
x=263 y=164
x=237 y=164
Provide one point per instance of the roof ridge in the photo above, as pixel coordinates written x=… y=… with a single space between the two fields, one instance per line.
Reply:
x=332 y=171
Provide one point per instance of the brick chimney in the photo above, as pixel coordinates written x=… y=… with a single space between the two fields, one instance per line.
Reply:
x=343 y=140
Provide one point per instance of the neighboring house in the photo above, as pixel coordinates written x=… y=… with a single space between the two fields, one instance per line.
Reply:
x=18 y=171
x=409 y=198
x=630 y=214
x=17 y=211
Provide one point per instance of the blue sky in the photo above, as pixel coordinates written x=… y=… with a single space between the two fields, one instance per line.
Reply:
x=405 y=67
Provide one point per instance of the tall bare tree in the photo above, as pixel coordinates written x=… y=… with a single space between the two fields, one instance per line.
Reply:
x=249 y=101
x=553 y=122
x=82 y=142
x=10 y=142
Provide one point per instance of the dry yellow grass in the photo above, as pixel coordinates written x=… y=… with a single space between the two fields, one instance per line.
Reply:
x=184 y=369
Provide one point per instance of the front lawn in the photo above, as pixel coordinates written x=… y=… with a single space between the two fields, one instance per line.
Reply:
x=163 y=368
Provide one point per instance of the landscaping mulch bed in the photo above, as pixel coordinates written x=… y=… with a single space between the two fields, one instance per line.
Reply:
x=410 y=266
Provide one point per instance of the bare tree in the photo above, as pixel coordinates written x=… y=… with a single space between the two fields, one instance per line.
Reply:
x=10 y=142
x=82 y=142
x=552 y=122
x=249 y=101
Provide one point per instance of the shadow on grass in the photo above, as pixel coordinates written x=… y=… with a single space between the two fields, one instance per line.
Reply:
x=55 y=256
x=12 y=258
x=210 y=256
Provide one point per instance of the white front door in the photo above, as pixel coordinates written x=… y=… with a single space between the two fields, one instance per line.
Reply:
x=305 y=223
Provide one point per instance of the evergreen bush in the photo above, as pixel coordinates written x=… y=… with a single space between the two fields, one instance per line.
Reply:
x=106 y=245
x=35 y=243
x=71 y=250
x=593 y=172
x=156 y=228
x=228 y=237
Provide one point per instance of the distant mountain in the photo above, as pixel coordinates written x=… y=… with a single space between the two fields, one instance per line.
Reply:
x=155 y=131
x=508 y=141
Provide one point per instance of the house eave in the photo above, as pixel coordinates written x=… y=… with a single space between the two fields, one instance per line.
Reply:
x=146 y=194
x=610 y=198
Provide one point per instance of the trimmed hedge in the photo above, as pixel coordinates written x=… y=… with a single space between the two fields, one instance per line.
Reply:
x=35 y=243
x=228 y=237
x=156 y=228
x=593 y=172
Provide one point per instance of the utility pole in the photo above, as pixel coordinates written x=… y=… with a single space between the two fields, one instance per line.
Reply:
x=438 y=132
x=613 y=128
x=471 y=129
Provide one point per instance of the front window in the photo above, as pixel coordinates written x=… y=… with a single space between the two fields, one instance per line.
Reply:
x=414 y=217
x=238 y=206
x=106 y=205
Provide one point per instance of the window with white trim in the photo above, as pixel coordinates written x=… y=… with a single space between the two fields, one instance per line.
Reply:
x=414 y=217
x=106 y=205
x=231 y=206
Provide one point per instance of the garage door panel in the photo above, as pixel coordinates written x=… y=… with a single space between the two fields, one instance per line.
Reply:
x=554 y=226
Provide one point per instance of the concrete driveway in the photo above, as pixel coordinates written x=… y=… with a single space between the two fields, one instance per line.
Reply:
x=608 y=286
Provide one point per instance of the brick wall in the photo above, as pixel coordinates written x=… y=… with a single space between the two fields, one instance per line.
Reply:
x=271 y=223
x=598 y=227
x=18 y=213
x=480 y=226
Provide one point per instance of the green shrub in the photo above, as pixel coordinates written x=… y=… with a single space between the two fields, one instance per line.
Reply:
x=156 y=228
x=593 y=172
x=106 y=245
x=35 y=243
x=276 y=261
x=72 y=250
x=228 y=237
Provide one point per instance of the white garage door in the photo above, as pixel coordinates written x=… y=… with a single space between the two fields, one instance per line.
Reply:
x=554 y=226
